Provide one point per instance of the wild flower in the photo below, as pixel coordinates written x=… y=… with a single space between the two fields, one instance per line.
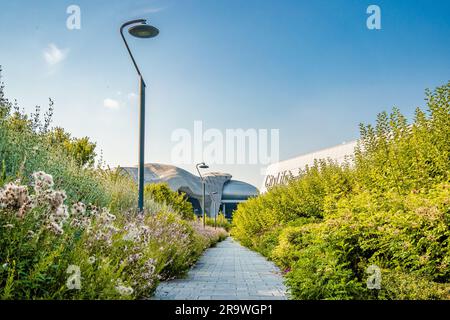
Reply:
x=81 y=223
x=26 y=207
x=42 y=182
x=79 y=219
x=93 y=210
x=15 y=197
x=148 y=236
x=61 y=213
x=122 y=289
x=56 y=228
x=132 y=232
x=105 y=217
x=134 y=258
x=55 y=199
x=78 y=209
x=150 y=265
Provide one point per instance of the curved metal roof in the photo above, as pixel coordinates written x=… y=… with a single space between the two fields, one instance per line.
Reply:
x=184 y=181
x=181 y=180
x=238 y=190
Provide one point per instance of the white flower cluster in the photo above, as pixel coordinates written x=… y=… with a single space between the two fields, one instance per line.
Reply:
x=15 y=197
x=79 y=217
x=42 y=182
x=138 y=231
x=105 y=229
x=53 y=199
x=134 y=258
x=132 y=234
x=123 y=290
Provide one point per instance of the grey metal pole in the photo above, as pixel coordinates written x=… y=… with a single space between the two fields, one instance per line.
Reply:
x=141 y=145
x=215 y=215
x=203 y=166
x=203 y=202
x=141 y=118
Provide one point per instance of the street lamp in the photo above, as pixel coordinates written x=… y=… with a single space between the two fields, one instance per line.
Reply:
x=140 y=29
x=213 y=198
x=202 y=165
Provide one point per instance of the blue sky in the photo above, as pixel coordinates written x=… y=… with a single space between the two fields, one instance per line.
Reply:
x=309 y=68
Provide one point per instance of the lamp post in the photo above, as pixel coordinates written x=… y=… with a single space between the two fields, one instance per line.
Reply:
x=202 y=165
x=213 y=197
x=140 y=29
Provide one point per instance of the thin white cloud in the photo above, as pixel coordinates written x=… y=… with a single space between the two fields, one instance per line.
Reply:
x=151 y=10
x=148 y=10
x=54 y=55
x=111 y=104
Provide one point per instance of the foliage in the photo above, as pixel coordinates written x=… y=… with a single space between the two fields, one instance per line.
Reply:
x=25 y=148
x=60 y=216
x=161 y=192
x=118 y=256
x=220 y=222
x=389 y=207
x=81 y=149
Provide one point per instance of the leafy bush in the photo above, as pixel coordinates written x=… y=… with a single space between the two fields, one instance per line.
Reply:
x=80 y=149
x=161 y=192
x=220 y=222
x=117 y=256
x=70 y=230
x=390 y=207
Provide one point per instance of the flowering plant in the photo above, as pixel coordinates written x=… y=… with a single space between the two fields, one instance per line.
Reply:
x=87 y=252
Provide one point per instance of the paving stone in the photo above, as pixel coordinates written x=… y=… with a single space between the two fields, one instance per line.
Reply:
x=228 y=271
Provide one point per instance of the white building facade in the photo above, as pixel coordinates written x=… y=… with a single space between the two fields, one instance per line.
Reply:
x=281 y=172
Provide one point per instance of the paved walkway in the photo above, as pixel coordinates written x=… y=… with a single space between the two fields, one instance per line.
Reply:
x=227 y=272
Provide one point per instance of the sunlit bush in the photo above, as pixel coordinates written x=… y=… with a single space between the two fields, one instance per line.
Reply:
x=117 y=256
x=70 y=229
x=220 y=222
x=161 y=192
x=390 y=208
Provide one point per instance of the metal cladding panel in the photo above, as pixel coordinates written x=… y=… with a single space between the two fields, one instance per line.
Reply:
x=275 y=172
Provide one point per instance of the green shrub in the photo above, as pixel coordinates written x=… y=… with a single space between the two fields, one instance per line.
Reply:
x=390 y=208
x=61 y=216
x=220 y=222
x=161 y=192
x=406 y=286
x=319 y=274
x=118 y=256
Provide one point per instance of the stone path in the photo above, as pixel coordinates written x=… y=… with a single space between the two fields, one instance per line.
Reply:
x=227 y=272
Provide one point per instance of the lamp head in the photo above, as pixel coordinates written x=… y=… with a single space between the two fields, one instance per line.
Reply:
x=143 y=31
x=203 y=166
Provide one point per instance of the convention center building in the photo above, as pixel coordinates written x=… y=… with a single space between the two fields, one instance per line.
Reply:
x=223 y=194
